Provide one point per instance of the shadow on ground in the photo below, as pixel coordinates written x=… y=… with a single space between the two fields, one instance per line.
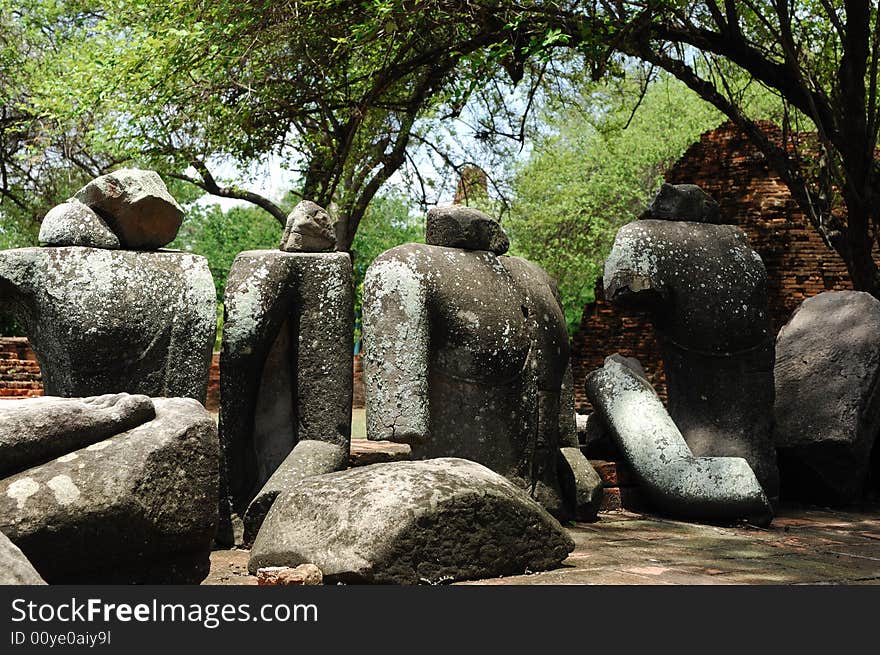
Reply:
x=802 y=546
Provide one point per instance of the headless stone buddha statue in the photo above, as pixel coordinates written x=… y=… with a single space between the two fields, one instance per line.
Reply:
x=467 y=355
x=286 y=366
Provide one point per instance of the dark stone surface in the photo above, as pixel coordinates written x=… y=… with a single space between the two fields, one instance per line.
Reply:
x=683 y=202
x=73 y=224
x=706 y=290
x=409 y=522
x=15 y=569
x=139 y=507
x=677 y=482
x=578 y=480
x=35 y=430
x=307 y=458
x=456 y=226
x=109 y=321
x=466 y=356
x=828 y=397
x=286 y=364
x=309 y=228
x=137 y=207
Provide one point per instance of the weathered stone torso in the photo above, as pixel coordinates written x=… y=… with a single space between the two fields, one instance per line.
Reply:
x=465 y=356
x=104 y=321
x=286 y=372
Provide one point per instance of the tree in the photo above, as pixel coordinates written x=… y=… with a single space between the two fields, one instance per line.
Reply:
x=220 y=235
x=42 y=160
x=335 y=87
x=820 y=57
x=342 y=89
x=593 y=169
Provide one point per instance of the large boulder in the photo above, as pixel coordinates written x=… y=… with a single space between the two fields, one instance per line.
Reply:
x=286 y=365
x=35 y=430
x=15 y=569
x=706 y=292
x=107 y=321
x=137 y=207
x=677 y=482
x=74 y=224
x=137 y=507
x=828 y=396
x=410 y=522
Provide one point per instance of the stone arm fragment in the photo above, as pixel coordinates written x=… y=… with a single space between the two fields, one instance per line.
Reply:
x=680 y=484
x=324 y=373
x=396 y=359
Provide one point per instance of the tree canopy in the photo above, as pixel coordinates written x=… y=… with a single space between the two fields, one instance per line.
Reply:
x=592 y=171
x=346 y=93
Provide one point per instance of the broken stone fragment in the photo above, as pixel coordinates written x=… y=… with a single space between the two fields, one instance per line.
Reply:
x=429 y=521
x=677 y=482
x=138 y=507
x=309 y=228
x=828 y=397
x=35 y=430
x=580 y=483
x=683 y=202
x=137 y=207
x=73 y=224
x=15 y=569
x=307 y=458
x=284 y=576
x=456 y=226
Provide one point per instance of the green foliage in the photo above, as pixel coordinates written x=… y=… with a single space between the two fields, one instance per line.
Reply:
x=14 y=233
x=596 y=169
x=219 y=236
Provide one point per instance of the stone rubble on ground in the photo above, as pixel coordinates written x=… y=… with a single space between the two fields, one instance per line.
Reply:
x=285 y=576
x=138 y=505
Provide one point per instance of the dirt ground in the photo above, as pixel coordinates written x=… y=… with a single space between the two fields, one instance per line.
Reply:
x=802 y=546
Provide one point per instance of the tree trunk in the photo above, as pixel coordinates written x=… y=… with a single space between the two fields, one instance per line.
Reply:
x=857 y=250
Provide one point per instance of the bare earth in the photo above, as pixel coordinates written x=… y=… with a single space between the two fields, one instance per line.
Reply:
x=802 y=546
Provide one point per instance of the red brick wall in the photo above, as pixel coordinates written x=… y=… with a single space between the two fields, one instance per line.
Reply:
x=19 y=371
x=358 y=400
x=799 y=265
x=212 y=402
x=20 y=374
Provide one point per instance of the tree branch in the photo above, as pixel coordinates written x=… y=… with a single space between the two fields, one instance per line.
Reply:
x=209 y=184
